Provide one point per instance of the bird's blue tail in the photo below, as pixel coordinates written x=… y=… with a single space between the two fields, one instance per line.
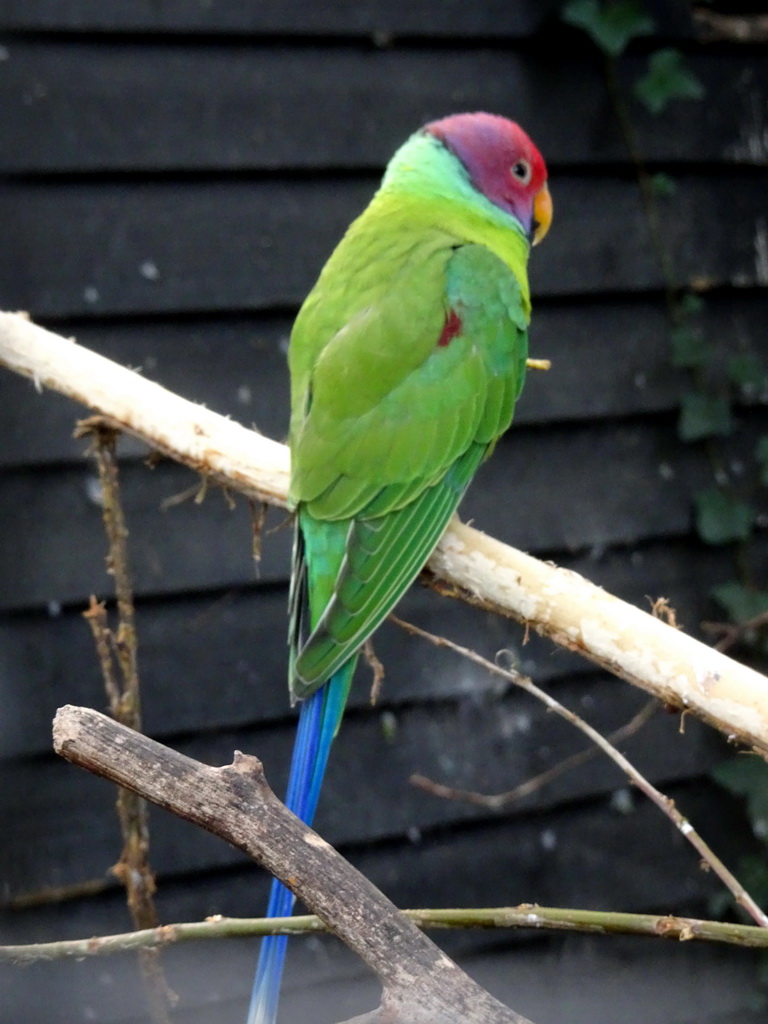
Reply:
x=319 y=719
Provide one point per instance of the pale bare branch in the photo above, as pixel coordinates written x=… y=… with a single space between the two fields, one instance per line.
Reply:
x=559 y=604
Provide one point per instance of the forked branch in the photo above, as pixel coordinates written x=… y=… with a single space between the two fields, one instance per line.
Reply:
x=421 y=985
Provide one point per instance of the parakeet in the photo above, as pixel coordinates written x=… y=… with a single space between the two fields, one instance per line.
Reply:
x=406 y=360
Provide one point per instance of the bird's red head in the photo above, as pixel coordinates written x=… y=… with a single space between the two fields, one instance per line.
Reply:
x=502 y=163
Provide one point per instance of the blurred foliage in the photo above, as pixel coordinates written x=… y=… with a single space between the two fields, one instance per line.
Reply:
x=719 y=384
x=611 y=26
x=667 y=79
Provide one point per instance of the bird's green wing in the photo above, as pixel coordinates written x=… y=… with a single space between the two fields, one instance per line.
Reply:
x=386 y=446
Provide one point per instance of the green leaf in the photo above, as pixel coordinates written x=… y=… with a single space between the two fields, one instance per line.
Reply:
x=667 y=79
x=688 y=347
x=741 y=603
x=747 y=776
x=761 y=454
x=746 y=369
x=704 y=415
x=756 y=1001
x=389 y=726
x=752 y=872
x=663 y=185
x=721 y=518
x=690 y=304
x=611 y=27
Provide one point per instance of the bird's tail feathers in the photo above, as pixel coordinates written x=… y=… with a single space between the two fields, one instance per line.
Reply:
x=319 y=719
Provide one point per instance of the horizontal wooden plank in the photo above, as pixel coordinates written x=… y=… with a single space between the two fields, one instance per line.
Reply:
x=184 y=534
x=377 y=18
x=163 y=247
x=380 y=20
x=488 y=744
x=595 y=862
x=84 y=106
x=532 y=494
x=598 y=859
x=219 y=660
x=692 y=983
x=236 y=366
x=610 y=359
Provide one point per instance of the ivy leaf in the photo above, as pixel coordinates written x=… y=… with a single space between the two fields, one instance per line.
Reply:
x=747 y=776
x=740 y=602
x=746 y=370
x=667 y=79
x=663 y=185
x=612 y=27
x=704 y=415
x=688 y=347
x=761 y=454
x=752 y=872
x=721 y=518
x=690 y=304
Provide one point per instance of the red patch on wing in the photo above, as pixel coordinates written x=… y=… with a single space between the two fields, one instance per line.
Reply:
x=451 y=328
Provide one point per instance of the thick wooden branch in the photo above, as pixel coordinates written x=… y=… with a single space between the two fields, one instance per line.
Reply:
x=421 y=984
x=209 y=443
x=630 y=643
x=713 y=27
x=555 y=602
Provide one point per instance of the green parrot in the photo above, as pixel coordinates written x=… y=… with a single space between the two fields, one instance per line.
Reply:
x=406 y=360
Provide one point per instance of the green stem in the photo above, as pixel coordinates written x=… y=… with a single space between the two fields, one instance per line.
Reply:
x=647 y=194
x=527 y=915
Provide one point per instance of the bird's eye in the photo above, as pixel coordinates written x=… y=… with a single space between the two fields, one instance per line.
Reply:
x=521 y=170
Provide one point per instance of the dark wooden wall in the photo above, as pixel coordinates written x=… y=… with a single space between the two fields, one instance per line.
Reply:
x=174 y=175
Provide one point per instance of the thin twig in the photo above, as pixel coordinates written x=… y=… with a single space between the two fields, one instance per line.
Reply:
x=377 y=667
x=524 y=916
x=645 y=184
x=663 y=802
x=741 y=28
x=96 y=617
x=496 y=801
x=50 y=894
x=119 y=650
x=104 y=449
x=196 y=492
x=662 y=609
x=732 y=633
x=258 y=511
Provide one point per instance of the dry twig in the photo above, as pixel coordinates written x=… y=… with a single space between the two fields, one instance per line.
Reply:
x=497 y=801
x=663 y=802
x=732 y=633
x=117 y=653
x=376 y=666
x=733 y=28
x=258 y=511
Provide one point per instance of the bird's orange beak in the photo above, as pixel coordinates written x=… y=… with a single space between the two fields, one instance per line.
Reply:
x=542 y=213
